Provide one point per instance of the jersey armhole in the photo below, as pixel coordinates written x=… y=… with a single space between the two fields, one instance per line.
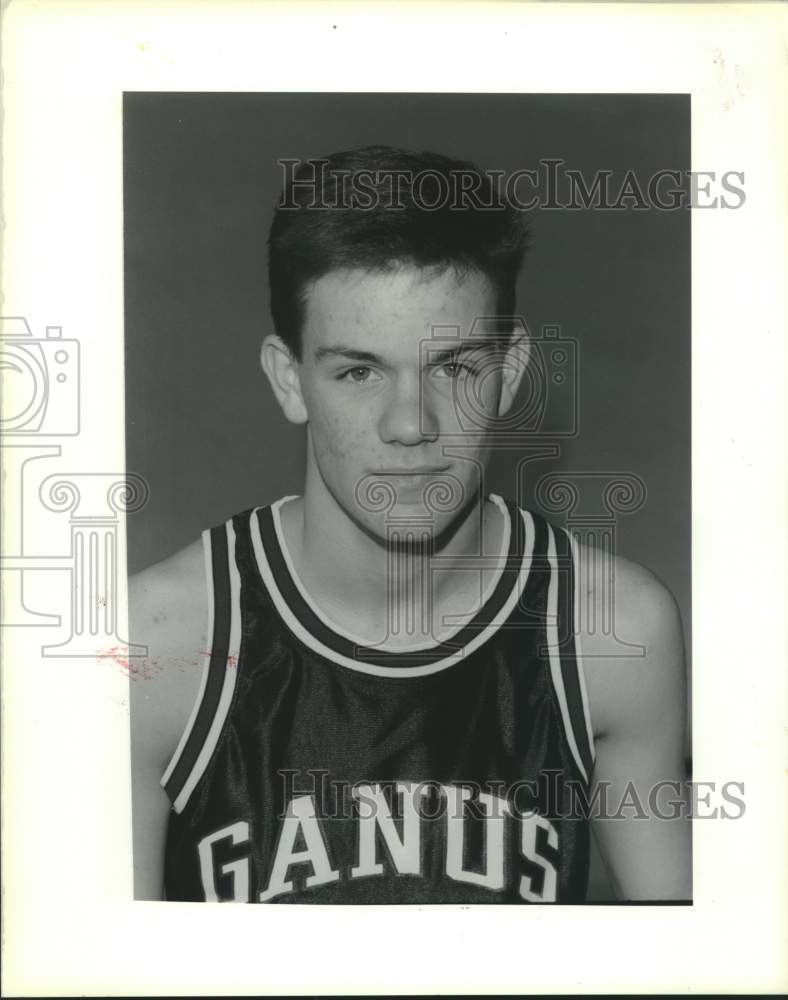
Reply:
x=563 y=647
x=219 y=673
x=577 y=619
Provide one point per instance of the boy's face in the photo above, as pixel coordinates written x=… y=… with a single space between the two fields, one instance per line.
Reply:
x=401 y=380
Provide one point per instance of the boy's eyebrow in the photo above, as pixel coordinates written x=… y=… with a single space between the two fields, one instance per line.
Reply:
x=349 y=353
x=434 y=356
x=463 y=347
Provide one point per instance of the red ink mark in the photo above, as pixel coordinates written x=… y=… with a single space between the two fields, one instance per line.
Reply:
x=148 y=667
x=232 y=658
x=132 y=666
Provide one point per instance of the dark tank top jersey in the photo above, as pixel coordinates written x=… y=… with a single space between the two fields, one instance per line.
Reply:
x=316 y=769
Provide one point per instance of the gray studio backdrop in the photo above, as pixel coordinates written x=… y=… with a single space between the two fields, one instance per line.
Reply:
x=200 y=180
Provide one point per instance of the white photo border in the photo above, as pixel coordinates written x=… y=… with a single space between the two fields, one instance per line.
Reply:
x=70 y=924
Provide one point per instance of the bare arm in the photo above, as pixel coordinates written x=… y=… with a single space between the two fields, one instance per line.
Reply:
x=637 y=706
x=167 y=613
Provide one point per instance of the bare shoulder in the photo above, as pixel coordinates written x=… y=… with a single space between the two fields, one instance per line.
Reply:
x=641 y=602
x=168 y=605
x=162 y=594
x=168 y=615
x=633 y=662
x=632 y=642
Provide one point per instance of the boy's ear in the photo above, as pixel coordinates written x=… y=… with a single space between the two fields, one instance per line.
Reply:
x=282 y=371
x=514 y=364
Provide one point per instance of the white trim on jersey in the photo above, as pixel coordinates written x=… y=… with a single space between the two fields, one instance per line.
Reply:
x=553 y=650
x=358 y=640
x=230 y=677
x=578 y=648
x=308 y=639
x=206 y=657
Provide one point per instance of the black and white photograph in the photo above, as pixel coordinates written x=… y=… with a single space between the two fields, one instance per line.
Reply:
x=392 y=429
x=413 y=578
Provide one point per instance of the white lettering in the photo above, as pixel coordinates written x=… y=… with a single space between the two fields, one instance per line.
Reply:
x=300 y=817
x=531 y=823
x=495 y=810
x=375 y=815
x=238 y=833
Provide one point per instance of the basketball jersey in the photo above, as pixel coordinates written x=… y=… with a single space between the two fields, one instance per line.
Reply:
x=318 y=769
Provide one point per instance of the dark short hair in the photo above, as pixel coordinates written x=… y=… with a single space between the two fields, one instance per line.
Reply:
x=375 y=208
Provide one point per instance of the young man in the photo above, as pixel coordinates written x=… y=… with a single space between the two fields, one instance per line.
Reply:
x=393 y=706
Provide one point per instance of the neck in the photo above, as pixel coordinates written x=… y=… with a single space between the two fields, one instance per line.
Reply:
x=400 y=592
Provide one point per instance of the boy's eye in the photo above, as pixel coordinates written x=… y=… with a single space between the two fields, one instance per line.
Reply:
x=359 y=373
x=452 y=369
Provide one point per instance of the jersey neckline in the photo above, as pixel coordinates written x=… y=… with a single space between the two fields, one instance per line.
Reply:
x=315 y=629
